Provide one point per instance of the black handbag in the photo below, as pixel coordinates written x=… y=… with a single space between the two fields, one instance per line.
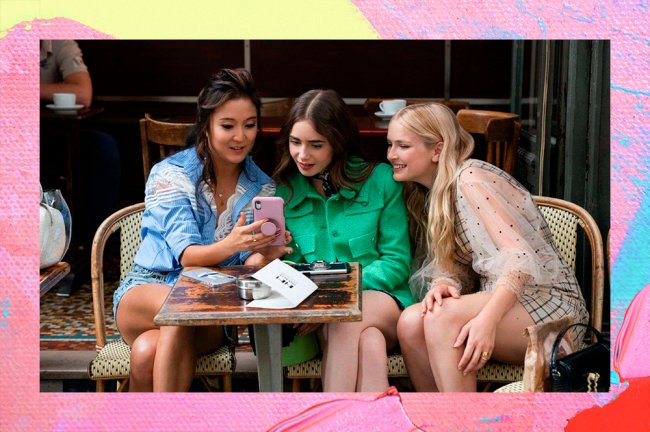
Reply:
x=586 y=370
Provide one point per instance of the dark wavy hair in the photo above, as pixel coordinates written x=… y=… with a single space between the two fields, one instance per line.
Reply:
x=331 y=118
x=224 y=86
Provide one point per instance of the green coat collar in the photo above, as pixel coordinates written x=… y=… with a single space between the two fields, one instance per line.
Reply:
x=303 y=190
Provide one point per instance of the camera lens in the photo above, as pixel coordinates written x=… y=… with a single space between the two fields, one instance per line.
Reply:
x=258 y=205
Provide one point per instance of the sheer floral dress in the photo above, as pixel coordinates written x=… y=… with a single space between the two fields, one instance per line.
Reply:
x=503 y=240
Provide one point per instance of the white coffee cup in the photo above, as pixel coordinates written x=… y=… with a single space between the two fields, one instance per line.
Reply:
x=64 y=100
x=392 y=106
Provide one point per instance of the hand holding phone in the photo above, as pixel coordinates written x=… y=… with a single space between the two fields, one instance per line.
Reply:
x=272 y=209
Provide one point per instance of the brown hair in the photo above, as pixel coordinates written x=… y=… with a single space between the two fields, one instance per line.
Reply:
x=224 y=86
x=331 y=118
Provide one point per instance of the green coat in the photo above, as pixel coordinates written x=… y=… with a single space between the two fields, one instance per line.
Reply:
x=371 y=229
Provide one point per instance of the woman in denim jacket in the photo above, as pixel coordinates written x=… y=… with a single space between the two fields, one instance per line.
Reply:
x=197 y=205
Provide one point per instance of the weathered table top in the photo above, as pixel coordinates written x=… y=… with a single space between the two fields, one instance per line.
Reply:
x=193 y=303
x=52 y=275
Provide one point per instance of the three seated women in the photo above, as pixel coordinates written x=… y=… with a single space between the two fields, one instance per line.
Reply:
x=480 y=266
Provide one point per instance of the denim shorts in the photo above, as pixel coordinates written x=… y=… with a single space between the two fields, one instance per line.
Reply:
x=140 y=276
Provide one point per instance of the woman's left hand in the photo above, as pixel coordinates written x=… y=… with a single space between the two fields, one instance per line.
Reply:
x=478 y=334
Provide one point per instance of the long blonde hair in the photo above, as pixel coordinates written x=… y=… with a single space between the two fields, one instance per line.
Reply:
x=435 y=123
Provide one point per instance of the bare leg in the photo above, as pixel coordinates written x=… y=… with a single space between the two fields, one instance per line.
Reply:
x=173 y=368
x=341 y=366
x=373 y=365
x=443 y=326
x=137 y=309
x=176 y=348
x=410 y=331
x=143 y=353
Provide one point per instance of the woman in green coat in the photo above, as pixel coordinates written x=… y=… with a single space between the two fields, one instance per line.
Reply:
x=340 y=207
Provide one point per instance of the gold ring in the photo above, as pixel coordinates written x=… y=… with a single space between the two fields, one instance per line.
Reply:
x=253 y=237
x=485 y=356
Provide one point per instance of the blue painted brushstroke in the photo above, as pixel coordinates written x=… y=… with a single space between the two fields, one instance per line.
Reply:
x=633 y=254
x=630 y=91
x=542 y=26
x=630 y=270
x=577 y=16
x=4 y=307
x=490 y=419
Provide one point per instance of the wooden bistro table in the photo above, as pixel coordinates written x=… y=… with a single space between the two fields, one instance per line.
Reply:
x=52 y=275
x=192 y=303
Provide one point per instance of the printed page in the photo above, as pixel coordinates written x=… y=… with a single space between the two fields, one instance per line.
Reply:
x=289 y=286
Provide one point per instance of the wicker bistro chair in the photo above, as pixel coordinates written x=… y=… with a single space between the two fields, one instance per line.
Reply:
x=563 y=219
x=113 y=357
x=491 y=372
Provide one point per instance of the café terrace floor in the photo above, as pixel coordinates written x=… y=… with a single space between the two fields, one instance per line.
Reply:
x=67 y=341
x=67 y=337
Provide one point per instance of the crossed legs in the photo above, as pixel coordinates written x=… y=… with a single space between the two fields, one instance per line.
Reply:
x=427 y=341
x=354 y=354
x=162 y=358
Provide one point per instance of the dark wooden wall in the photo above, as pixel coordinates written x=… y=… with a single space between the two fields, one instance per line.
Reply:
x=133 y=77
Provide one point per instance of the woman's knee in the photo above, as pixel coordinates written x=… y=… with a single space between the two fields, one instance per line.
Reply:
x=372 y=344
x=409 y=325
x=143 y=354
x=450 y=315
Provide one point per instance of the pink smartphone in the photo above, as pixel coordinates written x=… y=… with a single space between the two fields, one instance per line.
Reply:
x=271 y=208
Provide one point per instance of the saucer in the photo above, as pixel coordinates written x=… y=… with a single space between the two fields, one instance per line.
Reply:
x=64 y=108
x=383 y=115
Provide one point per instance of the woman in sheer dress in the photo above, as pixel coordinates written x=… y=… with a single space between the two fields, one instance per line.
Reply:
x=486 y=264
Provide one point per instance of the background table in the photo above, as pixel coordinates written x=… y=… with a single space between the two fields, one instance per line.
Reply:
x=52 y=275
x=69 y=122
x=192 y=303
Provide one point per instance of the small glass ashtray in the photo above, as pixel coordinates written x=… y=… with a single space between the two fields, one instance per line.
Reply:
x=252 y=289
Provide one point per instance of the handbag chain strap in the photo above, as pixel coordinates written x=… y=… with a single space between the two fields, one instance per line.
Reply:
x=592 y=382
x=558 y=339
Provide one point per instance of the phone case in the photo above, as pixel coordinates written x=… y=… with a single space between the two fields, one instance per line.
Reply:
x=271 y=208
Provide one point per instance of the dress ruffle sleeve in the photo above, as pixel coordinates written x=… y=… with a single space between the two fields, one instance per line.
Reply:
x=504 y=228
x=457 y=275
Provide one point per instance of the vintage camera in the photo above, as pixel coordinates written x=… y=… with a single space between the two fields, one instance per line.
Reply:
x=321 y=267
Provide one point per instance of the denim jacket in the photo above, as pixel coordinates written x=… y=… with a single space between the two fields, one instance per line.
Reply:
x=178 y=215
